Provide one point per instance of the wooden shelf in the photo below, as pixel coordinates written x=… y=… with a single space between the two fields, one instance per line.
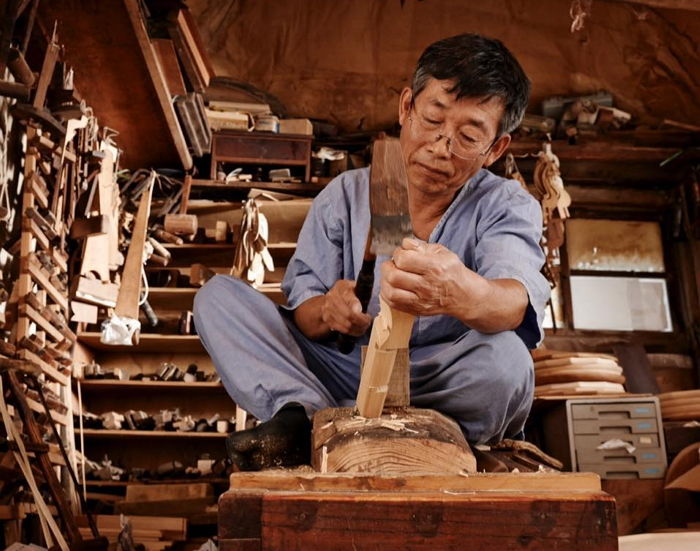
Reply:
x=149 y=342
x=218 y=185
x=182 y=298
x=223 y=246
x=125 y=483
x=102 y=433
x=112 y=384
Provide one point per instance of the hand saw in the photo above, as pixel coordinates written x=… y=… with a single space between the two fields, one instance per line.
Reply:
x=390 y=221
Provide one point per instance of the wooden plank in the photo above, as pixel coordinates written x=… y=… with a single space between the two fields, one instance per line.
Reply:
x=50 y=371
x=434 y=517
x=130 y=287
x=36 y=407
x=95 y=225
x=46 y=74
x=32 y=314
x=164 y=492
x=82 y=312
x=284 y=481
x=148 y=342
x=168 y=62
x=438 y=521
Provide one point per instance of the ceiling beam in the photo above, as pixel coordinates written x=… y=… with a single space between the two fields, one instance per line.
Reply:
x=690 y=5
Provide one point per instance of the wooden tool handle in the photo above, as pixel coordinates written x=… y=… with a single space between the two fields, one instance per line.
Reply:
x=363 y=291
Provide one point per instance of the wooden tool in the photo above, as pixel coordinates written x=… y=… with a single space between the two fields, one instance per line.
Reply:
x=390 y=219
x=130 y=289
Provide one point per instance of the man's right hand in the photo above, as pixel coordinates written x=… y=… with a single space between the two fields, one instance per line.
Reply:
x=338 y=310
x=341 y=310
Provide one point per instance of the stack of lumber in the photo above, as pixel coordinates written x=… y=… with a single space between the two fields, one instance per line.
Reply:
x=576 y=373
x=153 y=533
x=681 y=405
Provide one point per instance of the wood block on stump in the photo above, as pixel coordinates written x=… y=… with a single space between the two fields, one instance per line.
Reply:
x=301 y=511
x=400 y=441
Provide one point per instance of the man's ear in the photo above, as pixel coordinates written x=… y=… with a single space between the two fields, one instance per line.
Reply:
x=405 y=105
x=497 y=149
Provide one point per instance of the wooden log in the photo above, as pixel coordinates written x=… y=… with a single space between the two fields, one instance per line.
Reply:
x=402 y=442
x=181 y=224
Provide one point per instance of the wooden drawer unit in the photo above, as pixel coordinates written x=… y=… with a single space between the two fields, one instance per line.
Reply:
x=258 y=148
x=575 y=429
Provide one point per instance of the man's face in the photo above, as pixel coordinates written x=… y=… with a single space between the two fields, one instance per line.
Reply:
x=446 y=141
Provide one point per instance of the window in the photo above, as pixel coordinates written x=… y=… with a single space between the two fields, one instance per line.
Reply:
x=616 y=276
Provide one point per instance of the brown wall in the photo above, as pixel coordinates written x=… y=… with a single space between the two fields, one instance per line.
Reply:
x=346 y=60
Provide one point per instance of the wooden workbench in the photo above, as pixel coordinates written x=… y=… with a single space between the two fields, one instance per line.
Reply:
x=303 y=511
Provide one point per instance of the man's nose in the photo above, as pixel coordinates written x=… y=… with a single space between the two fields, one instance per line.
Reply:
x=439 y=149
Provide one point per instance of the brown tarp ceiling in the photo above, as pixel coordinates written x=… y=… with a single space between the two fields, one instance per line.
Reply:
x=347 y=60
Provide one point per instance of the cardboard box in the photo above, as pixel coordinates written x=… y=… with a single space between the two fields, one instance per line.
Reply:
x=296 y=126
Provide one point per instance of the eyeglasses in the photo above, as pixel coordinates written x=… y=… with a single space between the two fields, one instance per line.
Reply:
x=462 y=147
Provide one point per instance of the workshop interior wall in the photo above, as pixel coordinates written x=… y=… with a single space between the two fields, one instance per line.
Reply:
x=346 y=60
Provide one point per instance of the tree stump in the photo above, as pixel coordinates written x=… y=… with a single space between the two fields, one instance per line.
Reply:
x=400 y=441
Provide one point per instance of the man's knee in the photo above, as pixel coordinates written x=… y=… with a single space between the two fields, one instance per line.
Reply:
x=506 y=354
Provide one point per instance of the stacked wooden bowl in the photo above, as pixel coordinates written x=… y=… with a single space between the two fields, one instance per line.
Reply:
x=680 y=405
x=576 y=373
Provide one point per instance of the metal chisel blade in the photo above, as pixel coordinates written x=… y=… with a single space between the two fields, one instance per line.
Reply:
x=388 y=197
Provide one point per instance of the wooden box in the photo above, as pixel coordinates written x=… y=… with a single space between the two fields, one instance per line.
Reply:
x=304 y=511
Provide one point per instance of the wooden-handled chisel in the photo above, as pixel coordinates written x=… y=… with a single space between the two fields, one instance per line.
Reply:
x=390 y=221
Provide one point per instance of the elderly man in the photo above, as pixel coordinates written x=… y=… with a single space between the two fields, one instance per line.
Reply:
x=471 y=274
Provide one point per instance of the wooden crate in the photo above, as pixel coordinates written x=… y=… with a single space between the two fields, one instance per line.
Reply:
x=295 y=511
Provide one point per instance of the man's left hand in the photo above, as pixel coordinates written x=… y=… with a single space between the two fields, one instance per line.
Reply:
x=427 y=279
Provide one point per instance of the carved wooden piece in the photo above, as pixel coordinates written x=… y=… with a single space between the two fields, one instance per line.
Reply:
x=391 y=332
x=403 y=441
